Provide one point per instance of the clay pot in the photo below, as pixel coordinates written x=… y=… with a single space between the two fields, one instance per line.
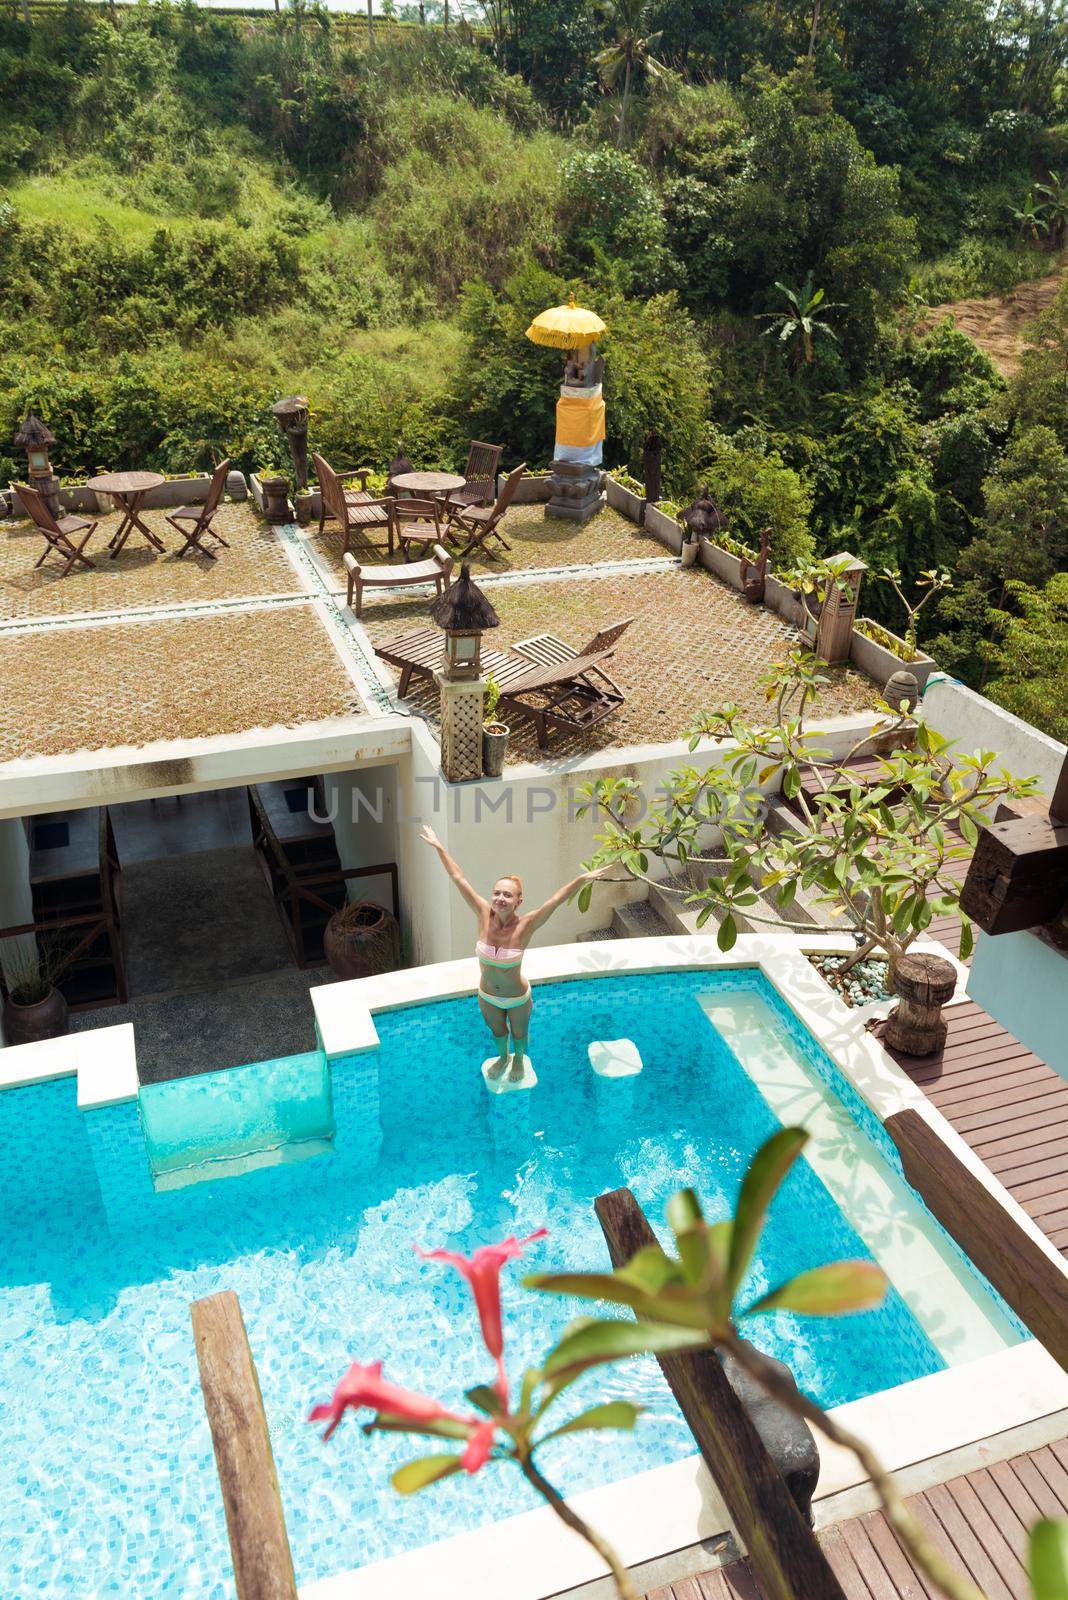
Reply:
x=360 y=940
x=494 y=748
x=45 y=1019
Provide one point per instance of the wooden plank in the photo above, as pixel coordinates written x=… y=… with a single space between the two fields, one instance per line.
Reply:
x=782 y=1548
x=1003 y=1514
x=967 y=1544
x=259 y=1544
x=1015 y=1493
x=875 y=1575
x=1053 y=1472
x=838 y=1553
x=1017 y=1267
x=993 y=1540
x=908 y=1582
x=740 y=1582
x=1044 y=1496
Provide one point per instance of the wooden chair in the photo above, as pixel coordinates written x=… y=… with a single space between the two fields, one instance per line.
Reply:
x=480 y=474
x=58 y=533
x=482 y=523
x=437 y=570
x=199 y=518
x=573 y=695
x=417 y=522
x=356 y=510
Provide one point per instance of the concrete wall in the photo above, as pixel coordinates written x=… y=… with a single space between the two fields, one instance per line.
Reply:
x=976 y=723
x=362 y=806
x=16 y=896
x=1023 y=982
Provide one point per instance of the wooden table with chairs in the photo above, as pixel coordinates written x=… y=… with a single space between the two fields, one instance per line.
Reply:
x=129 y=490
x=429 y=485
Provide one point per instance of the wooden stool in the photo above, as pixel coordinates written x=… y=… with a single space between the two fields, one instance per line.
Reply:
x=925 y=982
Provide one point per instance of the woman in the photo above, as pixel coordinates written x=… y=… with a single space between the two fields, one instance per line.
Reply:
x=503 y=935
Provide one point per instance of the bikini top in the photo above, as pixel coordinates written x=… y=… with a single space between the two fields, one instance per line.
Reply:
x=496 y=955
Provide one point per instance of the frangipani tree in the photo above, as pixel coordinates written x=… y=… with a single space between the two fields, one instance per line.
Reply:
x=879 y=857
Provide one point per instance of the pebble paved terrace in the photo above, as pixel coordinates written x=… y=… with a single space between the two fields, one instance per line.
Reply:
x=148 y=647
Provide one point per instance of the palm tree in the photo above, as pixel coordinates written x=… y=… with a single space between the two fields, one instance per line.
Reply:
x=800 y=324
x=631 y=47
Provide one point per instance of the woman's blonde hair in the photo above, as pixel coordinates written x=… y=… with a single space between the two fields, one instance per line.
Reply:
x=512 y=877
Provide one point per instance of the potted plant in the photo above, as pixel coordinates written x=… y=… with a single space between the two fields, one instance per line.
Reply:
x=361 y=939
x=33 y=1007
x=494 y=733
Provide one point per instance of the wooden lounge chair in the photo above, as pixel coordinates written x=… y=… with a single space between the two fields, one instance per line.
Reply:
x=58 y=533
x=416 y=522
x=572 y=696
x=546 y=650
x=437 y=570
x=479 y=524
x=356 y=510
x=480 y=475
x=199 y=518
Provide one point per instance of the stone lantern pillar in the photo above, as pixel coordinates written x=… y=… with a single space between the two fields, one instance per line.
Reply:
x=838 y=612
x=464 y=613
x=34 y=437
x=291 y=415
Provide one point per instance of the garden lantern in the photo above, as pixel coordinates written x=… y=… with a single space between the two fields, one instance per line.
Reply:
x=34 y=437
x=291 y=415
x=464 y=613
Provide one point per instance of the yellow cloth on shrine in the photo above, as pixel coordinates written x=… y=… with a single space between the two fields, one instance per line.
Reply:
x=579 y=420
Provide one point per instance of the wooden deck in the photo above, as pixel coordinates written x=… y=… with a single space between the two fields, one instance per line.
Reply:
x=1008 y=1105
x=980 y=1521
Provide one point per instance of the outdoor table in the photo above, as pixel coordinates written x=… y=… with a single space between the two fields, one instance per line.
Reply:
x=129 y=489
x=432 y=485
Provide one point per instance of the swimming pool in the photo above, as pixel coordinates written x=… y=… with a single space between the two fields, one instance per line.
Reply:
x=105 y=1459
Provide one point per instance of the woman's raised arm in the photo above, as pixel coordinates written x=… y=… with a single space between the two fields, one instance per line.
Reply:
x=473 y=898
x=544 y=912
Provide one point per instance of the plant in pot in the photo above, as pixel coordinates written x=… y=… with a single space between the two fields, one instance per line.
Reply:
x=361 y=939
x=494 y=733
x=33 y=1007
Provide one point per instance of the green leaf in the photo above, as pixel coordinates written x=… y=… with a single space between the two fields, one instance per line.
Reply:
x=766 y=1172
x=440 y=1428
x=584 y=896
x=613 y=1414
x=416 y=1475
x=968 y=829
x=827 y=1291
x=598 y=1342
x=727 y=937
x=1047 y=1559
x=483 y=1398
x=967 y=939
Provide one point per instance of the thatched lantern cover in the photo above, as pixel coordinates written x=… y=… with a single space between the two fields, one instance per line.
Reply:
x=34 y=437
x=703 y=516
x=464 y=613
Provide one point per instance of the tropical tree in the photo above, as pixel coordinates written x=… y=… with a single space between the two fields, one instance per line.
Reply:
x=631 y=49
x=879 y=857
x=1031 y=218
x=802 y=322
x=1055 y=203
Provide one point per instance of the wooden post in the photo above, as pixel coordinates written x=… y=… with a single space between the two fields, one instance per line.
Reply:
x=838 y=612
x=783 y=1550
x=259 y=1544
x=1018 y=876
x=1020 y=1270
x=925 y=983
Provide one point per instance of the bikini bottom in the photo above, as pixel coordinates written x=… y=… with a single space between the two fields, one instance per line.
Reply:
x=504 y=1002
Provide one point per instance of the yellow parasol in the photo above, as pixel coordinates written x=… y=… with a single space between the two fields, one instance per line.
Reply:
x=566 y=327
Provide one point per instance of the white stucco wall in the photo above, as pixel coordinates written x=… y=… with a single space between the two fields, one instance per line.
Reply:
x=1023 y=982
x=975 y=723
x=526 y=823
x=362 y=806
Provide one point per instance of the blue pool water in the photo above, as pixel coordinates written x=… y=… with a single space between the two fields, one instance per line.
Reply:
x=107 y=1482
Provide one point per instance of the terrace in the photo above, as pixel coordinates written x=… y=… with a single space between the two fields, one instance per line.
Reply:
x=174 y=686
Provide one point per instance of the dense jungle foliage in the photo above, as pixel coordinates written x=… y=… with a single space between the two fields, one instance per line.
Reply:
x=199 y=214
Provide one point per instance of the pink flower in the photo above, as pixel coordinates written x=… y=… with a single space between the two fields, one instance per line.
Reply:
x=478 y=1447
x=365 y=1386
x=483 y=1272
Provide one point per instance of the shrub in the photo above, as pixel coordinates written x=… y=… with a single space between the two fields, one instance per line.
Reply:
x=612 y=218
x=756 y=491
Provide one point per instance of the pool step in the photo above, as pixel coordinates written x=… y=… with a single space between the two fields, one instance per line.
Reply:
x=596 y=935
x=639 y=919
